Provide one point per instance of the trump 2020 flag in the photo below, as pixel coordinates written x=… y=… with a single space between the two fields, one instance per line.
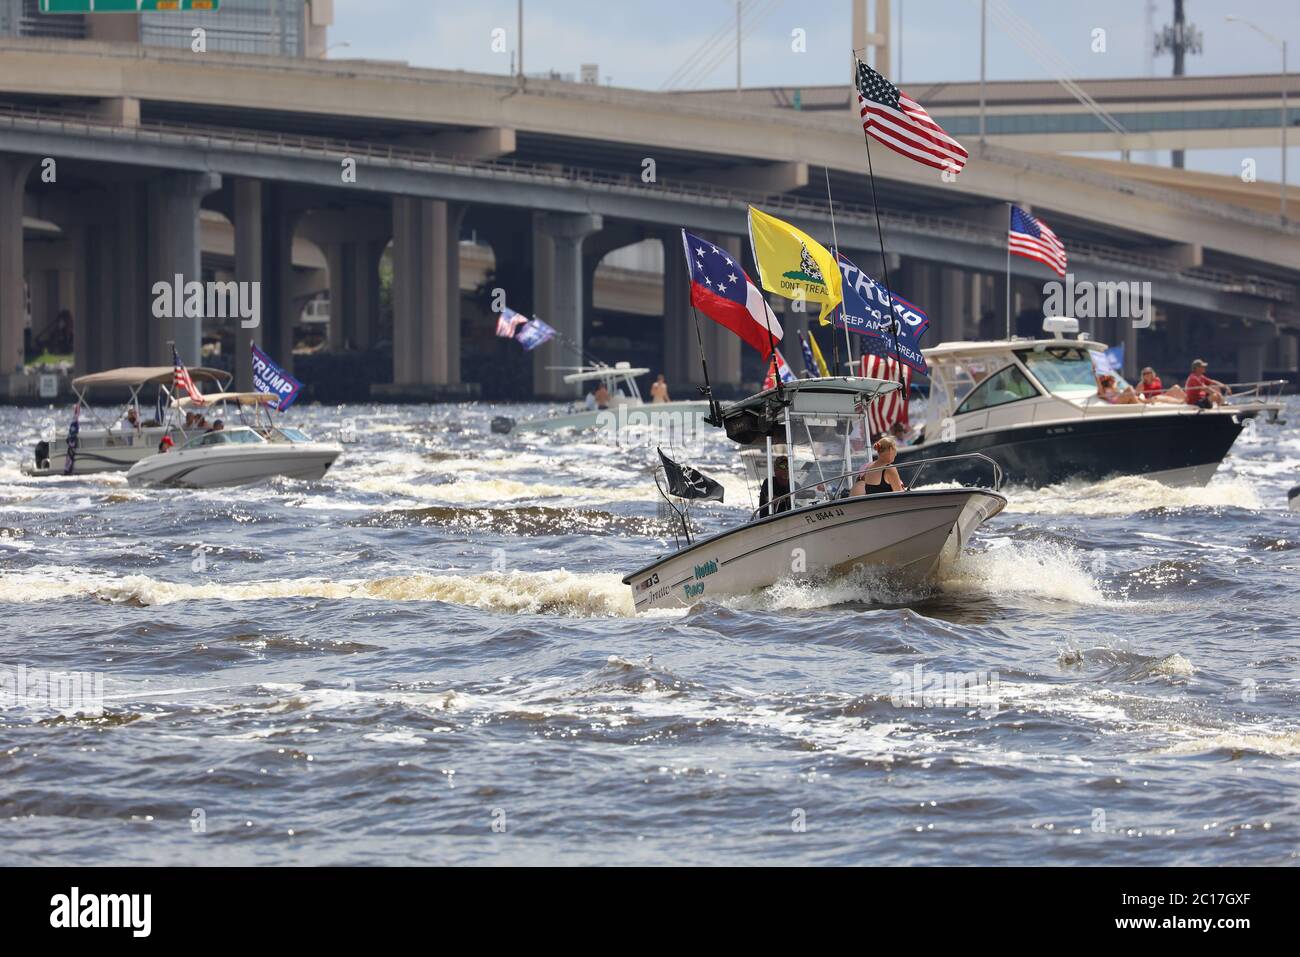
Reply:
x=269 y=377
x=866 y=312
x=723 y=291
x=534 y=333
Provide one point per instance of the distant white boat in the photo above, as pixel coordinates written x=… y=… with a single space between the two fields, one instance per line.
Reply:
x=105 y=443
x=238 y=454
x=818 y=529
x=626 y=410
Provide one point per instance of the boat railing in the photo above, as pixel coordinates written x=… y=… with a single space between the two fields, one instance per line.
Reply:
x=1266 y=392
x=916 y=468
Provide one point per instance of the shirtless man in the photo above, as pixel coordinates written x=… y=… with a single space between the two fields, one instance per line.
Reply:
x=659 y=390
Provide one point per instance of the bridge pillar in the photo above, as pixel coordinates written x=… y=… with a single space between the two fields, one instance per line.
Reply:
x=426 y=292
x=680 y=359
x=953 y=304
x=354 y=293
x=558 y=294
x=248 y=269
x=13 y=182
x=174 y=250
x=1254 y=345
x=94 y=313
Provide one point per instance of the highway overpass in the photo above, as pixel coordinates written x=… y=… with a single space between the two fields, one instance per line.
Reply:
x=553 y=176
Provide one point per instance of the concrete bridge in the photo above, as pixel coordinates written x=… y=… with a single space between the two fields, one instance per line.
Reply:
x=552 y=176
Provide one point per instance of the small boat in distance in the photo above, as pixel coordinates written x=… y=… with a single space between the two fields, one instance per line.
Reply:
x=818 y=529
x=1032 y=405
x=108 y=443
x=625 y=409
x=249 y=451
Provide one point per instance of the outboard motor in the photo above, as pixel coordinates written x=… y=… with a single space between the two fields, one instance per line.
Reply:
x=503 y=424
x=42 y=455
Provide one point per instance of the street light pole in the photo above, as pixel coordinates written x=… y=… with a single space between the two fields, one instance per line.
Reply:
x=1277 y=42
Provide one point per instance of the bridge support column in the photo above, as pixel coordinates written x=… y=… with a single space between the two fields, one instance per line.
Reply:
x=174 y=249
x=680 y=362
x=558 y=294
x=952 y=305
x=133 y=322
x=94 y=318
x=426 y=293
x=248 y=269
x=354 y=293
x=1254 y=346
x=13 y=182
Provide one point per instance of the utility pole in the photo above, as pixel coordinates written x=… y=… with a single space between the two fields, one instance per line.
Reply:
x=738 y=2
x=519 y=31
x=983 y=24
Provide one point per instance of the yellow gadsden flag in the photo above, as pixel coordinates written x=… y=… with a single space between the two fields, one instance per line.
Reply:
x=793 y=264
x=817 y=355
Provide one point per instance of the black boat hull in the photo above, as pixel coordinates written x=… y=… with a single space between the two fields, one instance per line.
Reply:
x=1176 y=449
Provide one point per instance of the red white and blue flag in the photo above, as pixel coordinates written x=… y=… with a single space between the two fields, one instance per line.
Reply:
x=891 y=407
x=508 y=323
x=1031 y=238
x=778 y=366
x=181 y=380
x=892 y=117
x=722 y=291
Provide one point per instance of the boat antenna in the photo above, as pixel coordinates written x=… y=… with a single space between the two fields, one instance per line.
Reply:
x=835 y=240
x=884 y=260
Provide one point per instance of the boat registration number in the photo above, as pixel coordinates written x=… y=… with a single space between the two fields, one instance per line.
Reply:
x=649 y=582
x=823 y=516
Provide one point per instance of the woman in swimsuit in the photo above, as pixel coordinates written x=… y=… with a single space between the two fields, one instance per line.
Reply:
x=880 y=476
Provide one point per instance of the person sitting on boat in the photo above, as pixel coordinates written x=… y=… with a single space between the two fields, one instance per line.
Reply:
x=602 y=396
x=1107 y=391
x=880 y=475
x=165 y=444
x=659 y=390
x=1151 y=389
x=1202 y=391
x=781 y=484
x=217 y=426
x=131 y=421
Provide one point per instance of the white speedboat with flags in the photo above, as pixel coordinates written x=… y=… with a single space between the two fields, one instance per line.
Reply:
x=113 y=441
x=820 y=513
x=817 y=529
x=1034 y=406
x=248 y=448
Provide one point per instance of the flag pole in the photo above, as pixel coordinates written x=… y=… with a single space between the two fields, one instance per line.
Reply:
x=835 y=239
x=1009 y=208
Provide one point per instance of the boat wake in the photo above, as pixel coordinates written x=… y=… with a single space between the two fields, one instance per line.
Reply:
x=1126 y=495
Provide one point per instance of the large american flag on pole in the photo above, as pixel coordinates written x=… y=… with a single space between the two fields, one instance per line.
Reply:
x=891 y=407
x=1031 y=238
x=892 y=117
x=181 y=380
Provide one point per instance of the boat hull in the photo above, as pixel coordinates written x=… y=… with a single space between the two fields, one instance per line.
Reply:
x=223 y=466
x=911 y=536
x=1179 y=448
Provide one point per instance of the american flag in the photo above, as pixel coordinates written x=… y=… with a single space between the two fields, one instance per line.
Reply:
x=508 y=323
x=181 y=380
x=892 y=406
x=895 y=119
x=1030 y=237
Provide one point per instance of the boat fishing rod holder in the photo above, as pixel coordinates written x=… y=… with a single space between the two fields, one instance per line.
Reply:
x=917 y=465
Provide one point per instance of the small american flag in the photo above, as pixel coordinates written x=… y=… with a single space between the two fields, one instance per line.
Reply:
x=892 y=117
x=508 y=323
x=891 y=407
x=181 y=380
x=1030 y=237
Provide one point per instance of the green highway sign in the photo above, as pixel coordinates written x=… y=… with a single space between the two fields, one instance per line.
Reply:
x=125 y=6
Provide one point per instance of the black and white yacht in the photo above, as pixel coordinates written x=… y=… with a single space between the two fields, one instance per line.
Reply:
x=1034 y=407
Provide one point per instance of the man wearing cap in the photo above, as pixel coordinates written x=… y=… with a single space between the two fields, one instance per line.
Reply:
x=1202 y=391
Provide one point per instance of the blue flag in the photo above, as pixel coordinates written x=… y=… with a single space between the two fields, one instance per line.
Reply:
x=534 y=333
x=269 y=377
x=866 y=312
x=1112 y=360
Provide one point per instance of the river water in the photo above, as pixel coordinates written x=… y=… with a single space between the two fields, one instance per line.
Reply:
x=428 y=657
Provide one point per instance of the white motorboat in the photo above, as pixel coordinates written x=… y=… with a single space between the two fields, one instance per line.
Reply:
x=239 y=454
x=1032 y=405
x=818 y=529
x=624 y=412
x=110 y=443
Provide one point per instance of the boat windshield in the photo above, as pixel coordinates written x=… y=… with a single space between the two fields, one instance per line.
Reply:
x=224 y=437
x=1063 y=371
x=287 y=435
